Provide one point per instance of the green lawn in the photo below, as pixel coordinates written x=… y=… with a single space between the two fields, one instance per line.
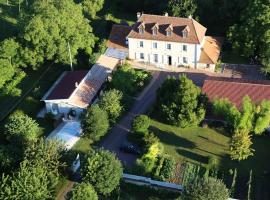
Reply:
x=191 y=144
x=196 y=144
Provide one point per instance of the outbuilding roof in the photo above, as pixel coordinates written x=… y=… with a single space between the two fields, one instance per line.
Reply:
x=235 y=89
x=195 y=34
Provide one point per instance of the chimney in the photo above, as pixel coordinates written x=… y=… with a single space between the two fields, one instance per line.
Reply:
x=138 y=15
x=190 y=16
x=166 y=14
x=76 y=84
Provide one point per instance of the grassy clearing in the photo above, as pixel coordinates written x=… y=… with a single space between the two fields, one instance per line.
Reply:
x=191 y=144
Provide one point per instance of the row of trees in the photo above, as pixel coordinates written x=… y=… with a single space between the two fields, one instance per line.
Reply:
x=252 y=118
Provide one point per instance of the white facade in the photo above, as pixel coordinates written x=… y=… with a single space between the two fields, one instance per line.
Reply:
x=61 y=106
x=163 y=53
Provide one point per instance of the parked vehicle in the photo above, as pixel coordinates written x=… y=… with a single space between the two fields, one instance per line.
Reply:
x=130 y=148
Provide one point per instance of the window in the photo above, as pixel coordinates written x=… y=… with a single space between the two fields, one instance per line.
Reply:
x=141 y=43
x=155 y=31
x=155 y=58
x=185 y=34
x=185 y=60
x=169 y=46
x=169 y=33
x=184 y=47
x=155 y=45
x=142 y=56
x=141 y=30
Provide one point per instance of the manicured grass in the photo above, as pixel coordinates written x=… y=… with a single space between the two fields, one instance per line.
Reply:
x=191 y=144
x=196 y=144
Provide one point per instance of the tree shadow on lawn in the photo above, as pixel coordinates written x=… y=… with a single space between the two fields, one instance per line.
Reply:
x=170 y=138
x=193 y=156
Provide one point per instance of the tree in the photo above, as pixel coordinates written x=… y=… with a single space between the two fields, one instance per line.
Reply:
x=141 y=124
x=83 y=191
x=103 y=170
x=240 y=146
x=95 y=123
x=10 y=49
x=46 y=153
x=91 y=7
x=182 y=8
x=45 y=36
x=180 y=102
x=7 y=71
x=206 y=189
x=9 y=156
x=262 y=120
x=250 y=36
x=111 y=103
x=251 y=118
x=21 y=128
x=29 y=183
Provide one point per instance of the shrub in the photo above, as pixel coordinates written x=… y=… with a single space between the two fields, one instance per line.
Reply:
x=168 y=168
x=95 y=123
x=149 y=139
x=83 y=191
x=206 y=189
x=141 y=124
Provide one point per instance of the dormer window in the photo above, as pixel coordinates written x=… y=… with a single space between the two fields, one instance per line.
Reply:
x=141 y=28
x=185 y=32
x=168 y=33
x=169 y=30
x=155 y=29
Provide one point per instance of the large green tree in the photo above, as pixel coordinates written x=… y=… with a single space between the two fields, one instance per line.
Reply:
x=83 y=191
x=21 y=128
x=91 y=7
x=251 y=35
x=111 y=102
x=182 y=8
x=95 y=123
x=103 y=170
x=7 y=71
x=180 y=102
x=206 y=189
x=48 y=27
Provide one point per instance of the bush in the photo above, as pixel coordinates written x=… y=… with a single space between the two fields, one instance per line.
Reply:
x=149 y=139
x=128 y=80
x=206 y=189
x=95 y=123
x=141 y=124
x=168 y=169
x=83 y=191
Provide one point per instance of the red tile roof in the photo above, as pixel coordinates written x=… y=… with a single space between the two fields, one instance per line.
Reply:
x=211 y=50
x=117 y=38
x=234 y=89
x=67 y=85
x=195 y=35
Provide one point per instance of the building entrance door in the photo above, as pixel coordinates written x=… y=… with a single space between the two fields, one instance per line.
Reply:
x=169 y=60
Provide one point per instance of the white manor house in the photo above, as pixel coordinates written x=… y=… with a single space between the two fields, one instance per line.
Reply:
x=166 y=41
